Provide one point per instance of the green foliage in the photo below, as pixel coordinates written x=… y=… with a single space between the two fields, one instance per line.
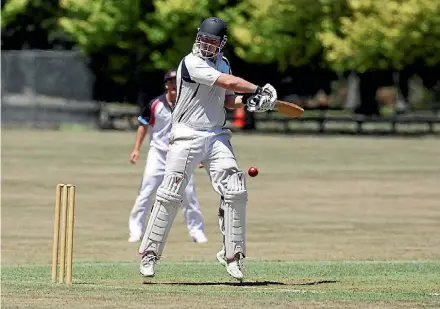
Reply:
x=172 y=27
x=30 y=23
x=282 y=31
x=11 y=9
x=345 y=34
x=109 y=28
x=96 y=24
x=385 y=34
x=261 y=31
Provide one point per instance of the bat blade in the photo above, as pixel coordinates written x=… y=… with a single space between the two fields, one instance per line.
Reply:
x=289 y=109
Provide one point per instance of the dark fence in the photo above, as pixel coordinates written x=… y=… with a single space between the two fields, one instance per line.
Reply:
x=313 y=121
x=43 y=88
x=52 y=88
x=335 y=121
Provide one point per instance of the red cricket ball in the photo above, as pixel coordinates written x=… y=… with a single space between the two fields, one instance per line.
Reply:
x=253 y=171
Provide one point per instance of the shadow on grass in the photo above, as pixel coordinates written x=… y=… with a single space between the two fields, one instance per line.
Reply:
x=244 y=283
x=318 y=282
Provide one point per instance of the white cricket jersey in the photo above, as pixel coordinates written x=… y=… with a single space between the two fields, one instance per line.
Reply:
x=200 y=104
x=157 y=115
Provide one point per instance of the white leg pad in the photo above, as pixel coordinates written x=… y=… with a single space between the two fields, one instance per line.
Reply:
x=168 y=201
x=235 y=199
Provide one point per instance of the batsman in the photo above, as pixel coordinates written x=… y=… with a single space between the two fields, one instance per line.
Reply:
x=205 y=86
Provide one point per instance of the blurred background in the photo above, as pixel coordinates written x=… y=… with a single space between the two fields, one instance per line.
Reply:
x=356 y=218
x=356 y=66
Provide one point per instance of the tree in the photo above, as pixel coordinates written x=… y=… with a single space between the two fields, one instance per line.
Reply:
x=384 y=35
x=98 y=23
x=32 y=24
x=282 y=31
x=172 y=27
x=11 y=9
x=108 y=31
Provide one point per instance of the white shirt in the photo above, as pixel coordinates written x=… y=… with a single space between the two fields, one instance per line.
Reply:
x=157 y=115
x=200 y=104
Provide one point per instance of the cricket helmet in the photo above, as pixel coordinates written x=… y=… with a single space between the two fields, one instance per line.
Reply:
x=211 y=38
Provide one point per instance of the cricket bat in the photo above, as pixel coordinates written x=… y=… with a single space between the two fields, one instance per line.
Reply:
x=289 y=109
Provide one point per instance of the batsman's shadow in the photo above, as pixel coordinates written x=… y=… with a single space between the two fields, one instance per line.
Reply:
x=316 y=282
x=244 y=283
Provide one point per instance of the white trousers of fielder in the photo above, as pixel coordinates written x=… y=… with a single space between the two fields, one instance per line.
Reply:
x=152 y=178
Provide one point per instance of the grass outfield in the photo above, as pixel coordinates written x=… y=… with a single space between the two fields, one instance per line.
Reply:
x=332 y=223
x=274 y=284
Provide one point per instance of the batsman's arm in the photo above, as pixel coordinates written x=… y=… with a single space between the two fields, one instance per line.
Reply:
x=236 y=84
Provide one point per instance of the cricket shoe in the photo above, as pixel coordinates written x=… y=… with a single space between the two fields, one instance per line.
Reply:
x=148 y=264
x=235 y=267
x=221 y=258
x=199 y=237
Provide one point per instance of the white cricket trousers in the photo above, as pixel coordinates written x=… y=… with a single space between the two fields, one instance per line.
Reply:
x=152 y=178
x=189 y=147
